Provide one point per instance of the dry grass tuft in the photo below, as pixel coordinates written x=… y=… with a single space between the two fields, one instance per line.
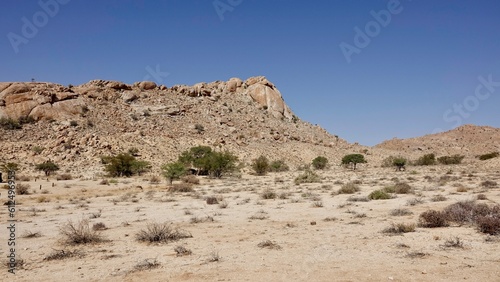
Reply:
x=80 y=233
x=63 y=254
x=161 y=233
x=268 y=244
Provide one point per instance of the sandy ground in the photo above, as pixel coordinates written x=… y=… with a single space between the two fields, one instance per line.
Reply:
x=318 y=235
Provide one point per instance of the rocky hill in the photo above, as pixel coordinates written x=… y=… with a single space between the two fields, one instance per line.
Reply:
x=468 y=140
x=76 y=125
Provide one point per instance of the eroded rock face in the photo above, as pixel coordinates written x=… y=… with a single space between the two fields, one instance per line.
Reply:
x=38 y=100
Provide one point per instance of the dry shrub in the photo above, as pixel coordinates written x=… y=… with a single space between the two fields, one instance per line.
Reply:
x=349 y=188
x=29 y=234
x=23 y=178
x=154 y=179
x=79 y=233
x=65 y=176
x=438 y=198
x=460 y=212
x=191 y=179
x=161 y=233
x=453 y=243
x=432 y=219
x=99 y=226
x=181 y=188
x=398 y=228
x=307 y=177
x=22 y=189
x=481 y=197
x=268 y=244
x=489 y=224
x=400 y=212
x=146 y=264
x=212 y=200
x=379 y=195
x=182 y=251
x=488 y=184
x=63 y=254
x=268 y=194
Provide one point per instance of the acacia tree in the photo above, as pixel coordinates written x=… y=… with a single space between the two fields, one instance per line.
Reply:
x=399 y=163
x=353 y=159
x=47 y=167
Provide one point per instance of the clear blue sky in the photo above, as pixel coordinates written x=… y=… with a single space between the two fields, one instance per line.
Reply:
x=404 y=83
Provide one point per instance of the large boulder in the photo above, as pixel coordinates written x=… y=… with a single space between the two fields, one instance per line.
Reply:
x=147 y=85
x=267 y=95
x=233 y=84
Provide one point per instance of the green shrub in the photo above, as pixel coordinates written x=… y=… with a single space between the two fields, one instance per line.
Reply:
x=320 y=162
x=260 y=165
x=9 y=124
x=173 y=171
x=307 y=177
x=124 y=164
x=6 y=167
x=398 y=162
x=379 y=195
x=488 y=156
x=428 y=159
x=349 y=188
x=447 y=160
x=278 y=166
x=203 y=159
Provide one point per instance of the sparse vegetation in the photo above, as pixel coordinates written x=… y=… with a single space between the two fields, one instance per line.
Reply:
x=124 y=164
x=448 y=160
x=308 y=176
x=488 y=156
x=80 y=233
x=432 y=219
x=161 y=233
x=173 y=171
x=63 y=254
x=9 y=124
x=260 y=165
x=278 y=166
x=428 y=159
x=349 y=188
x=319 y=162
x=398 y=228
x=268 y=244
x=379 y=195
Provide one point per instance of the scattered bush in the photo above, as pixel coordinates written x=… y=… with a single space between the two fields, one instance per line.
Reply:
x=379 y=195
x=428 y=159
x=319 y=162
x=9 y=124
x=489 y=224
x=488 y=156
x=182 y=251
x=63 y=254
x=453 y=243
x=212 y=200
x=400 y=212
x=269 y=245
x=432 y=219
x=488 y=184
x=349 y=188
x=399 y=188
x=124 y=164
x=307 y=177
x=161 y=233
x=447 y=160
x=392 y=161
x=260 y=165
x=191 y=179
x=146 y=264
x=181 y=188
x=99 y=226
x=65 y=176
x=278 y=166
x=268 y=194
x=399 y=228
x=80 y=233
x=22 y=189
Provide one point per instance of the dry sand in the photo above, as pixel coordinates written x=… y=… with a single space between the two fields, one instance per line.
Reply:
x=348 y=246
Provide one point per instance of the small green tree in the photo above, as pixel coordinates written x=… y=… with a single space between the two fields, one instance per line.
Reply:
x=47 y=167
x=220 y=163
x=173 y=171
x=260 y=165
x=320 y=162
x=353 y=159
x=120 y=165
x=399 y=163
x=196 y=157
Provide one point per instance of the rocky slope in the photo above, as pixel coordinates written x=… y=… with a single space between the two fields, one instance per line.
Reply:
x=75 y=126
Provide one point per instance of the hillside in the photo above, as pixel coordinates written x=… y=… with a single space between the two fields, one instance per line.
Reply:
x=76 y=125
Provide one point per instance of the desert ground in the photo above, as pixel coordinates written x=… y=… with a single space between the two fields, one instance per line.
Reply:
x=256 y=228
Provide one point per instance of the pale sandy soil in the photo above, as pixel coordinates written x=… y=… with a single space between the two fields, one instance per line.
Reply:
x=349 y=247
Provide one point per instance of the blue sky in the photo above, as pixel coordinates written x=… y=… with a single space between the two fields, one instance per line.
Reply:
x=418 y=73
